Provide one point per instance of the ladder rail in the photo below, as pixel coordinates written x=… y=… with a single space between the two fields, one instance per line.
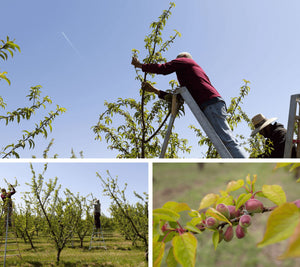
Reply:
x=167 y=137
x=6 y=234
x=101 y=240
x=9 y=229
x=294 y=101
x=203 y=121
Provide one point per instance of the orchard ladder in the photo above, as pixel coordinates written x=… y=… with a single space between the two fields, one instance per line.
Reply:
x=201 y=118
x=97 y=239
x=294 y=120
x=11 y=246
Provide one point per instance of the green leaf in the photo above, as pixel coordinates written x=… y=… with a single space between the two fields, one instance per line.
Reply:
x=177 y=207
x=184 y=249
x=166 y=214
x=208 y=200
x=228 y=200
x=214 y=213
x=294 y=166
x=248 y=180
x=293 y=249
x=235 y=185
x=171 y=261
x=282 y=165
x=281 y=224
x=274 y=193
x=194 y=213
x=215 y=239
x=3 y=76
x=191 y=227
x=158 y=253
x=196 y=221
x=242 y=199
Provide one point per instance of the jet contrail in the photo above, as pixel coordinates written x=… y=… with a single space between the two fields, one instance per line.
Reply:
x=70 y=43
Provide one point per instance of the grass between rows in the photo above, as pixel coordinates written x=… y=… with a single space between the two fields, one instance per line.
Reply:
x=119 y=252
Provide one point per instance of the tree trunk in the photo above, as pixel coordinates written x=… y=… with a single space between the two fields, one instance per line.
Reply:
x=30 y=239
x=58 y=255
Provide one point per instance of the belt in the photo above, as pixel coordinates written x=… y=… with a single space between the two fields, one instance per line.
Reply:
x=211 y=101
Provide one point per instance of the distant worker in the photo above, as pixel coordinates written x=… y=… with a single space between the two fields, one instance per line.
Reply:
x=192 y=76
x=97 y=213
x=275 y=135
x=6 y=197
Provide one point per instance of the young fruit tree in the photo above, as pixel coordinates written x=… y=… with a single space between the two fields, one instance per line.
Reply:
x=84 y=219
x=41 y=127
x=61 y=214
x=129 y=219
x=226 y=215
x=144 y=126
x=25 y=221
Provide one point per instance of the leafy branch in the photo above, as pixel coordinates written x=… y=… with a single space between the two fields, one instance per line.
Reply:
x=223 y=215
x=111 y=189
x=28 y=137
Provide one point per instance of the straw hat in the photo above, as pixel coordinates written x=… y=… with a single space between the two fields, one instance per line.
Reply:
x=260 y=121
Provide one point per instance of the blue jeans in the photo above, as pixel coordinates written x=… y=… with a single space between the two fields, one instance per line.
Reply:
x=216 y=114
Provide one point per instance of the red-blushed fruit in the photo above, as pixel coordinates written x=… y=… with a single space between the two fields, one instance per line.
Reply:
x=245 y=220
x=164 y=227
x=228 y=235
x=201 y=227
x=233 y=213
x=211 y=223
x=223 y=209
x=254 y=206
x=240 y=232
x=297 y=203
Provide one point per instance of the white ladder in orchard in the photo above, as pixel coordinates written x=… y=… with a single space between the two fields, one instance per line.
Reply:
x=97 y=239
x=201 y=118
x=9 y=243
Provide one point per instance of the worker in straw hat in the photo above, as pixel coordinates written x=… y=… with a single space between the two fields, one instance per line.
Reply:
x=192 y=76
x=275 y=135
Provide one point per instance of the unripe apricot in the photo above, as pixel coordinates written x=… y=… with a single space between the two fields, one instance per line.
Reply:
x=233 y=213
x=254 y=205
x=228 y=235
x=201 y=227
x=222 y=208
x=240 y=232
x=297 y=203
x=164 y=227
x=245 y=221
x=211 y=223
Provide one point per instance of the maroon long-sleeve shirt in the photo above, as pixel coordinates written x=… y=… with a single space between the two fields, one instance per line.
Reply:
x=190 y=75
x=8 y=194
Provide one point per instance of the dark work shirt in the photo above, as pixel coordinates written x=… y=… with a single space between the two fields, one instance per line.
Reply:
x=189 y=74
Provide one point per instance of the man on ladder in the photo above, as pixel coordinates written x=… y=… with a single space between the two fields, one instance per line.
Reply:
x=192 y=76
x=6 y=197
x=97 y=236
x=275 y=135
x=97 y=214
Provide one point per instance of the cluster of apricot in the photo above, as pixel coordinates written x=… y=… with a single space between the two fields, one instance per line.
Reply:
x=241 y=218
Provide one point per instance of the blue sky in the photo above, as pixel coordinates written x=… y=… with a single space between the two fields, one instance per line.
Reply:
x=80 y=178
x=232 y=40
